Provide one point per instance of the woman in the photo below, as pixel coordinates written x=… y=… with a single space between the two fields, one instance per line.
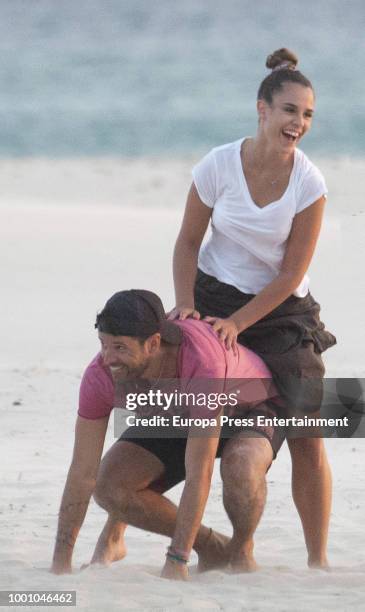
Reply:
x=265 y=201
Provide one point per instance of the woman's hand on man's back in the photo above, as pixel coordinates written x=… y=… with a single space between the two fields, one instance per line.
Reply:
x=183 y=312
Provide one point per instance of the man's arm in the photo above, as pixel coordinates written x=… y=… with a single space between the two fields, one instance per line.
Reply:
x=200 y=454
x=80 y=484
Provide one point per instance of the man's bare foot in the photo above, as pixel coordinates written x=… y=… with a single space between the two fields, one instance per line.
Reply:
x=241 y=557
x=110 y=546
x=243 y=564
x=109 y=552
x=214 y=553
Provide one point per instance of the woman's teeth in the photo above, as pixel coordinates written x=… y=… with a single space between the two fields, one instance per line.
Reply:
x=291 y=134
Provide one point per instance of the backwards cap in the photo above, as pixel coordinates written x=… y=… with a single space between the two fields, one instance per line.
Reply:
x=137 y=313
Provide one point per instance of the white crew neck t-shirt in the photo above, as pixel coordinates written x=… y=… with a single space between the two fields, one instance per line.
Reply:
x=247 y=243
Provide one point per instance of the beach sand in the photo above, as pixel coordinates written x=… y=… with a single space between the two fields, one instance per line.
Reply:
x=71 y=234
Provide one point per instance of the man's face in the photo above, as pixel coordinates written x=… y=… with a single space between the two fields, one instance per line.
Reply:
x=126 y=357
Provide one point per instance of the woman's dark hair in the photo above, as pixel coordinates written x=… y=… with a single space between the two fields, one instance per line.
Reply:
x=287 y=60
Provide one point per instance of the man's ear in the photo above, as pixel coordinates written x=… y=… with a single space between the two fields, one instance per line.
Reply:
x=153 y=344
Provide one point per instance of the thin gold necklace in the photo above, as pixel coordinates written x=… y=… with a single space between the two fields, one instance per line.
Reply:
x=272 y=182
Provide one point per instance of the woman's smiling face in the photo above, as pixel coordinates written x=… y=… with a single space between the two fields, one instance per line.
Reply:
x=285 y=121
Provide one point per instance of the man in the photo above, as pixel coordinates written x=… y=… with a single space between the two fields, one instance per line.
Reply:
x=138 y=343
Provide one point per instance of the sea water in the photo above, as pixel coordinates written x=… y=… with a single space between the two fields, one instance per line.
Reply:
x=164 y=78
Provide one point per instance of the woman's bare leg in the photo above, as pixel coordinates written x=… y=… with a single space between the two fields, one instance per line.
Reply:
x=312 y=494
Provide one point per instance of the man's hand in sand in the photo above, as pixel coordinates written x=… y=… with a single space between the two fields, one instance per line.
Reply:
x=175 y=571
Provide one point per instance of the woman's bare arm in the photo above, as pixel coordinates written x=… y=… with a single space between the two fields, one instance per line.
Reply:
x=298 y=255
x=185 y=262
x=299 y=252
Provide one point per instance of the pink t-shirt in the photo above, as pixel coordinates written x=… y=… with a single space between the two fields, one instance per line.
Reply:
x=201 y=357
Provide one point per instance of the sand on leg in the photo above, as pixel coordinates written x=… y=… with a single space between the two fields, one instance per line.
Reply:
x=245 y=461
x=126 y=489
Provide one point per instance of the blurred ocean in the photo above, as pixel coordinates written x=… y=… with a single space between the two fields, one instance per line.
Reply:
x=141 y=78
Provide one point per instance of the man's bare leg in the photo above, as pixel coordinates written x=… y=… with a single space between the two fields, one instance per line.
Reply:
x=125 y=489
x=245 y=461
x=312 y=494
x=110 y=546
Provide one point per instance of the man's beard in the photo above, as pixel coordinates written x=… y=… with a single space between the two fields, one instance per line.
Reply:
x=121 y=374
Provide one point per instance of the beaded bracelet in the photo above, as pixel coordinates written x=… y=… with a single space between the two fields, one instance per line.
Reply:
x=176 y=559
x=178 y=556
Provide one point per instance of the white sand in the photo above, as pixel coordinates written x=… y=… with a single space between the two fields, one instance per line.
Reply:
x=71 y=234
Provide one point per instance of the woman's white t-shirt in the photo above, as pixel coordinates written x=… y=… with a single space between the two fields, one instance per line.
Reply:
x=247 y=243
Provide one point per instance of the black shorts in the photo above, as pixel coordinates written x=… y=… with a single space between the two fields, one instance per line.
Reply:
x=170 y=450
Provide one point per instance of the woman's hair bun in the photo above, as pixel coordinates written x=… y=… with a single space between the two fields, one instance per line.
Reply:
x=281 y=56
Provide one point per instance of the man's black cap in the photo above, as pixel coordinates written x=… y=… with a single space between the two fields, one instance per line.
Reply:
x=138 y=313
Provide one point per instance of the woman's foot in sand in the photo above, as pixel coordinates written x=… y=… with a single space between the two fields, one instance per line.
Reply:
x=214 y=553
x=319 y=563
